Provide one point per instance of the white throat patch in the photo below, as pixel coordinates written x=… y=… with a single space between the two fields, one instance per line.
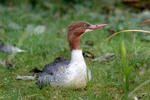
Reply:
x=88 y=30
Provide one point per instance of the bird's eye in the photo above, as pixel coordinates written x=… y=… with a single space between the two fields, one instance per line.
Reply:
x=85 y=26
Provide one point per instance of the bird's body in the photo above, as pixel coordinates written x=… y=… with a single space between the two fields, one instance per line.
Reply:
x=66 y=73
x=69 y=73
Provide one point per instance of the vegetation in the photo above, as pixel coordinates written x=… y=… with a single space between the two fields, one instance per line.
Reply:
x=42 y=33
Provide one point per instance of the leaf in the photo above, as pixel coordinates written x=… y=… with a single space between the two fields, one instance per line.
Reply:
x=105 y=57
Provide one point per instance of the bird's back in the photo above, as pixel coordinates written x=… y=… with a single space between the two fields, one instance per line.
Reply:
x=54 y=73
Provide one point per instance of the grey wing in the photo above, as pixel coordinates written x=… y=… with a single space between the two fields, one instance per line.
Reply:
x=51 y=72
x=54 y=67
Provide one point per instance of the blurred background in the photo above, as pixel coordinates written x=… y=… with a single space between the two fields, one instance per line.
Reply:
x=63 y=6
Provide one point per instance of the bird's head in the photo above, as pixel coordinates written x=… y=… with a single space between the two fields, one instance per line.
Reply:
x=76 y=29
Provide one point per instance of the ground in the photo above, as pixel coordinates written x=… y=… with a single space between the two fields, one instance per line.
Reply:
x=43 y=36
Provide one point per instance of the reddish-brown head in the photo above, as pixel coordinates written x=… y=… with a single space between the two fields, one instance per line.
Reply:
x=76 y=29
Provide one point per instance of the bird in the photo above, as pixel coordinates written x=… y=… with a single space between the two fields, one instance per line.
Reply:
x=69 y=73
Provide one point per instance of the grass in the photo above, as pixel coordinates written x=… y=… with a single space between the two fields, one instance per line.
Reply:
x=111 y=80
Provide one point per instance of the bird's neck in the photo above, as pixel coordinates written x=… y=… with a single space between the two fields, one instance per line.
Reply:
x=76 y=55
x=74 y=43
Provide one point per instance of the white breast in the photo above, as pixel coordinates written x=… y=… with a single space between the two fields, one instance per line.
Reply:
x=77 y=70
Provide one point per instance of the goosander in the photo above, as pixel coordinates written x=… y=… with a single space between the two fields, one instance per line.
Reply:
x=71 y=73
